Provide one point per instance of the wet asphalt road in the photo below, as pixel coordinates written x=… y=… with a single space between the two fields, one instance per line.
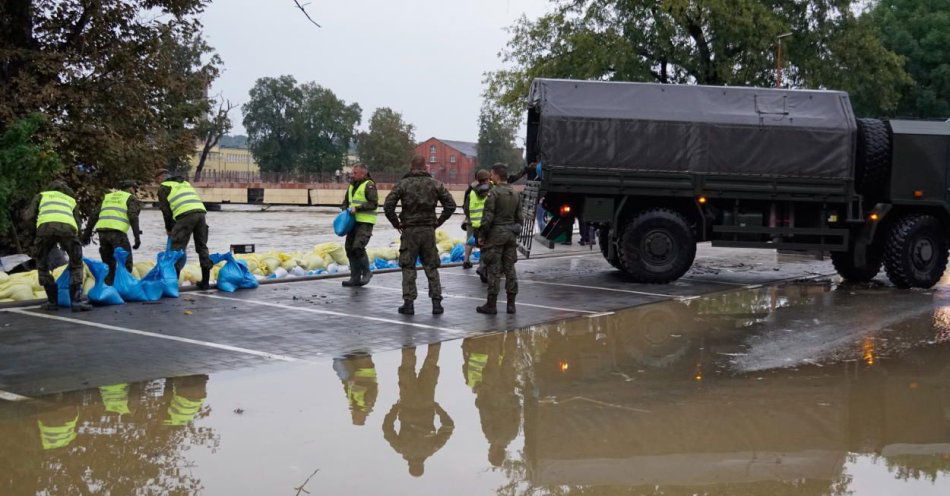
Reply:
x=726 y=382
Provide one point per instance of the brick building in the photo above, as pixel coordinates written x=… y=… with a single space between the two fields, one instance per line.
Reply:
x=452 y=162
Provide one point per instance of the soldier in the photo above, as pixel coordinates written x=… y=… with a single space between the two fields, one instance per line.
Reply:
x=184 y=215
x=501 y=224
x=57 y=222
x=474 y=206
x=419 y=193
x=362 y=201
x=119 y=211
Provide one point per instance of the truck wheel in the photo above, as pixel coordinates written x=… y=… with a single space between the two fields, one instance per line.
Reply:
x=657 y=246
x=603 y=240
x=873 y=160
x=915 y=253
x=844 y=264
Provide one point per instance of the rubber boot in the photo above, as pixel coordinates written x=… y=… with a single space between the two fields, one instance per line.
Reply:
x=367 y=275
x=511 y=303
x=75 y=296
x=490 y=307
x=407 y=308
x=355 y=272
x=205 y=281
x=437 y=307
x=52 y=298
x=466 y=265
x=482 y=274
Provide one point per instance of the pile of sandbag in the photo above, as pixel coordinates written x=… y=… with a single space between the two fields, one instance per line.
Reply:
x=25 y=286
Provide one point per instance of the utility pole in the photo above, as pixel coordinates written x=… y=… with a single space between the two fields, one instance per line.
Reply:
x=778 y=58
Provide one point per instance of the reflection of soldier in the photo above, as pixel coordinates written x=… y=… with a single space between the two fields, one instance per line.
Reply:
x=419 y=194
x=57 y=425
x=115 y=398
x=416 y=409
x=489 y=370
x=188 y=396
x=358 y=374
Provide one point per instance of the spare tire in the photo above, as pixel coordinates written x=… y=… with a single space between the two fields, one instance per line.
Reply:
x=872 y=171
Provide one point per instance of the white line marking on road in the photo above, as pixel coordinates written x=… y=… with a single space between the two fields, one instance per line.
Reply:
x=580 y=286
x=712 y=281
x=8 y=396
x=474 y=298
x=602 y=314
x=208 y=344
x=330 y=312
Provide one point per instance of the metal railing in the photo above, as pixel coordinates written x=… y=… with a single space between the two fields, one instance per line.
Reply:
x=384 y=177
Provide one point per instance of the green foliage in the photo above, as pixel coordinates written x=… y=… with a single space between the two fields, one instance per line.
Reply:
x=124 y=83
x=389 y=143
x=496 y=137
x=298 y=128
x=27 y=164
x=920 y=32
x=716 y=42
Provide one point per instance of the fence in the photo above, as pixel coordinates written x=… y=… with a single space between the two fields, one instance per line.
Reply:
x=384 y=177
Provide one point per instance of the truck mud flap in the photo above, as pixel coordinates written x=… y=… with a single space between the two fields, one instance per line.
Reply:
x=529 y=210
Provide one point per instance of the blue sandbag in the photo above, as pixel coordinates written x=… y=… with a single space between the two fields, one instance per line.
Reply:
x=62 y=289
x=164 y=272
x=458 y=253
x=343 y=223
x=184 y=255
x=130 y=288
x=101 y=293
x=472 y=241
x=234 y=275
x=476 y=256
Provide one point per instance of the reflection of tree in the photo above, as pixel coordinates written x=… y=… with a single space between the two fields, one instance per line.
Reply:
x=133 y=453
x=927 y=467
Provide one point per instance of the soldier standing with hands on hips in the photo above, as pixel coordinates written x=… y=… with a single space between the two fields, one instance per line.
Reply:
x=419 y=193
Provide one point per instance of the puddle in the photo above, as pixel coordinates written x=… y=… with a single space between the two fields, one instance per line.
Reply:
x=802 y=389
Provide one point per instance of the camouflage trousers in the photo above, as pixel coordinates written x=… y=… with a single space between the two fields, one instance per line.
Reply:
x=500 y=254
x=186 y=226
x=109 y=240
x=419 y=242
x=357 y=240
x=48 y=236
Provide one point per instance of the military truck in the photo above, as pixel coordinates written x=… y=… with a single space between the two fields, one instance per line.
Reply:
x=659 y=168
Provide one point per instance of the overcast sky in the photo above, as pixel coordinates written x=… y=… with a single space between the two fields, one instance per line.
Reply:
x=424 y=58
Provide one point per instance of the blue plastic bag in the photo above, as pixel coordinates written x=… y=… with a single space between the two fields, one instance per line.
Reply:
x=234 y=275
x=458 y=253
x=62 y=289
x=164 y=272
x=472 y=241
x=130 y=288
x=168 y=247
x=476 y=256
x=101 y=293
x=343 y=223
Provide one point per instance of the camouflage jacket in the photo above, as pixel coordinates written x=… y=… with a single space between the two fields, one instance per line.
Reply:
x=419 y=194
x=502 y=208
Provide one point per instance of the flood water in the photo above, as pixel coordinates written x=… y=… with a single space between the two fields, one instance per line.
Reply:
x=802 y=389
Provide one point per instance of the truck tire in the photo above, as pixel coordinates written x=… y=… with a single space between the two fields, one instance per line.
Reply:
x=603 y=240
x=873 y=160
x=847 y=269
x=915 y=252
x=657 y=246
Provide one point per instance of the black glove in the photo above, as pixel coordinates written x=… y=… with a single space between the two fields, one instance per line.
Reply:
x=465 y=226
x=138 y=243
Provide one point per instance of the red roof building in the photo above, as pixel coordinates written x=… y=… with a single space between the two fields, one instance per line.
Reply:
x=452 y=162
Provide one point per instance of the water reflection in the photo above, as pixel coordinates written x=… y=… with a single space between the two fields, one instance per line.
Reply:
x=489 y=370
x=358 y=374
x=416 y=437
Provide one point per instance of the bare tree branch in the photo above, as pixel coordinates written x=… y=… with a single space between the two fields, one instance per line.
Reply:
x=304 y=10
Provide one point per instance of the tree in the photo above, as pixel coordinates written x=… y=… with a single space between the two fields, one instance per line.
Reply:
x=920 y=32
x=389 y=143
x=712 y=42
x=295 y=128
x=496 y=136
x=123 y=82
x=210 y=130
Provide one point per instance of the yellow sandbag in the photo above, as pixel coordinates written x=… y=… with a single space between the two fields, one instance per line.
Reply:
x=289 y=264
x=339 y=256
x=18 y=292
x=269 y=264
x=314 y=262
x=39 y=295
x=445 y=246
x=386 y=253
x=191 y=273
x=441 y=236
x=139 y=269
x=4 y=277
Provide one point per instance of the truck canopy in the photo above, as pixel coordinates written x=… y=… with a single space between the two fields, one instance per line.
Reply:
x=715 y=130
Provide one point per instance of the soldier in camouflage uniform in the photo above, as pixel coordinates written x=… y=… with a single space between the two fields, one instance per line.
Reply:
x=54 y=215
x=187 y=223
x=362 y=200
x=419 y=194
x=112 y=237
x=499 y=239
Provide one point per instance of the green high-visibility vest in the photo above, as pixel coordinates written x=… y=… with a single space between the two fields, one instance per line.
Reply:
x=476 y=368
x=358 y=199
x=114 y=213
x=57 y=436
x=183 y=410
x=57 y=207
x=476 y=207
x=115 y=398
x=183 y=199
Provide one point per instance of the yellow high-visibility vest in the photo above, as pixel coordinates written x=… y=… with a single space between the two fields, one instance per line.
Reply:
x=114 y=213
x=358 y=199
x=476 y=207
x=476 y=369
x=183 y=199
x=57 y=436
x=57 y=207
